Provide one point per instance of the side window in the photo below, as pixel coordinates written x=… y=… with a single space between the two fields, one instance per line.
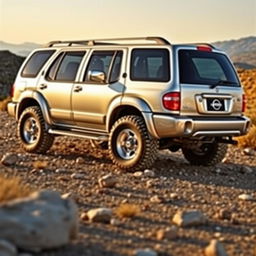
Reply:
x=150 y=65
x=51 y=73
x=116 y=68
x=36 y=62
x=67 y=69
x=99 y=61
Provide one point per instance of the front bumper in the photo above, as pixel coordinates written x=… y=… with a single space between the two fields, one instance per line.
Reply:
x=162 y=126
x=11 y=108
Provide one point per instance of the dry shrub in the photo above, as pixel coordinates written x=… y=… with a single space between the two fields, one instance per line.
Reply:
x=40 y=164
x=127 y=210
x=12 y=188
x=248 y=140
x=3 y=103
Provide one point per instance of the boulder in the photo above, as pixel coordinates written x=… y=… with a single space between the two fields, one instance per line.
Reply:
x=107 y=181
x=43 y=220
x=189 y=218
x=9 y=159
x=215 y=248
x=100 y=215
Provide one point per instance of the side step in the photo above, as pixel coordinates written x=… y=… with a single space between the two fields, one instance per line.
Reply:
x=86 y=135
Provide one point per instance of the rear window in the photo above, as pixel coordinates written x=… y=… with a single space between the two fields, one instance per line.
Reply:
x=199 y=67
x=150 y=65
x=35 y=63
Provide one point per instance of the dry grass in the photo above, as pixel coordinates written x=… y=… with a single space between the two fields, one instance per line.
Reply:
x=3 y=103
x=248 y=79
x=127 y=210
x=12 y=188
x=40 y=164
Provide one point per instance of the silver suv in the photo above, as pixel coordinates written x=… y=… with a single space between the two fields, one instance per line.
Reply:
x=132 y=96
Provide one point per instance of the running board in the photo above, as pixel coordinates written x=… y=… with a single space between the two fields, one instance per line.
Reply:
x=86 y=135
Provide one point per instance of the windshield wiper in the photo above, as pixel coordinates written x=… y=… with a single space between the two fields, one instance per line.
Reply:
x=223 y=82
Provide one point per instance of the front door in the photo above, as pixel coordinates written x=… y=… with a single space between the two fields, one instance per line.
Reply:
x=90 y=100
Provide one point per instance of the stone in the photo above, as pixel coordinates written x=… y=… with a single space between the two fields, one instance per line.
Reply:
x=80 y=160
x=245 y=197
x=215 y=248
x=100 y=215
x=224 y=214
x=145 y=252
x=61 y=171
x=149 y=173
x=84 y=216
x=138 y=174
x=77 y=176
x=168 y=233
x=107 y=181
x=9 y=159
x=174 y=196
x=7 y=249
x=249 y=151
x=189 y=218
x=246 y=169
x=156 y=199
x=41 y=221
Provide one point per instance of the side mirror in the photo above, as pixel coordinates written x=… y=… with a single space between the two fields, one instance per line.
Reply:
x=97 y=76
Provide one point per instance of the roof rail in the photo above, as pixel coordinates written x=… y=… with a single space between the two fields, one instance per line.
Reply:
x=157 y=40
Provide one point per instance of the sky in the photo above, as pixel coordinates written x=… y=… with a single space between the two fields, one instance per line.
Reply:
x=41 y=21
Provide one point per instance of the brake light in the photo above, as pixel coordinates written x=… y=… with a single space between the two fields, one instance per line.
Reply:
x=12 y=90
x=244 y=103
x=171 y=101
x=204 y=48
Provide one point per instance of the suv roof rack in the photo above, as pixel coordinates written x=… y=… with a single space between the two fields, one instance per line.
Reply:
x=90 y=42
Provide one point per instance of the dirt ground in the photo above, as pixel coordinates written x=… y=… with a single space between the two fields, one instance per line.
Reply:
x=209 y=189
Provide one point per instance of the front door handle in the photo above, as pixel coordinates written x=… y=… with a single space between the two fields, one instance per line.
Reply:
x=43 y=86
x=78 y=88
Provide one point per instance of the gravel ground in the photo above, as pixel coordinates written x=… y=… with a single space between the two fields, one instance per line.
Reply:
x=209 y=189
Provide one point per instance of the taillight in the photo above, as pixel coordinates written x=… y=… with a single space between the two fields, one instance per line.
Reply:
x=204 y=48
x=12 y=90
x=244 y=103
x=171 y=101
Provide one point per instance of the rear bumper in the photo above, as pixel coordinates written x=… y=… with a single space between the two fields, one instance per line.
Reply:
x=162 y=126
x=11 y=108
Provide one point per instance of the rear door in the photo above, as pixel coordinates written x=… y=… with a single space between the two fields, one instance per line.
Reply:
x=57 y=84
x=91 y=100
x=208 y=83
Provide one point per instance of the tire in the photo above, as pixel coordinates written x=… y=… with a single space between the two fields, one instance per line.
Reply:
x=130 y=145
x=99 y=144
x=32 y=131
x=210 y=154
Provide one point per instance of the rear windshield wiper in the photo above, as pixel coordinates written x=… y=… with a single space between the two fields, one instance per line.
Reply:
x=223 y=82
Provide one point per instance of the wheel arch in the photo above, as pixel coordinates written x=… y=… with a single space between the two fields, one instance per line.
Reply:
x=29 y=99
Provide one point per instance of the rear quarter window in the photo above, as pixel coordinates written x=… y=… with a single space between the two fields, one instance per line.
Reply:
x=36 y=62
x=150 y=65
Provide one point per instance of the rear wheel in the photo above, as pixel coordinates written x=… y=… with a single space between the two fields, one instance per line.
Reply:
x=32 y=131
x=130 y=145
x=208 y=154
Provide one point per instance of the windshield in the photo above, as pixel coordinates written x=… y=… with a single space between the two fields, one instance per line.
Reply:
x=209 y=68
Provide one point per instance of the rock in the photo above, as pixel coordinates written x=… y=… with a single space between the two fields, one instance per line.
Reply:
x=174 y=196
x=215 y=248
x=9 y=159
x=145 y=252
x=149 y=173
x=245 y=197
x=7 y=249
x=61 y=171
x=189 y=218
x=100 y=215
x=249 y=151
x=84 y=216
x=156 y=199
x=246 y=169
x=149 y=183
x=115 y=222
x=224 y=214
x=77 y=176
x=138 y=174
x=107 y=181
x=41 y=221
x=80 y=160
x=168 y=233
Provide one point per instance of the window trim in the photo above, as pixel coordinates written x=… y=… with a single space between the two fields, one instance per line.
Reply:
x=38 y=51
x=63 y=53
x=150 y=80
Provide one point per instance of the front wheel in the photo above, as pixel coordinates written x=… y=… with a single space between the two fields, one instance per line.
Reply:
x=32 y=131
x=130 y=145
x=208 y=154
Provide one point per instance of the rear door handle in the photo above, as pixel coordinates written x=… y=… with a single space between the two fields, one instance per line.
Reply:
x=78 y=88
x=43 y=86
